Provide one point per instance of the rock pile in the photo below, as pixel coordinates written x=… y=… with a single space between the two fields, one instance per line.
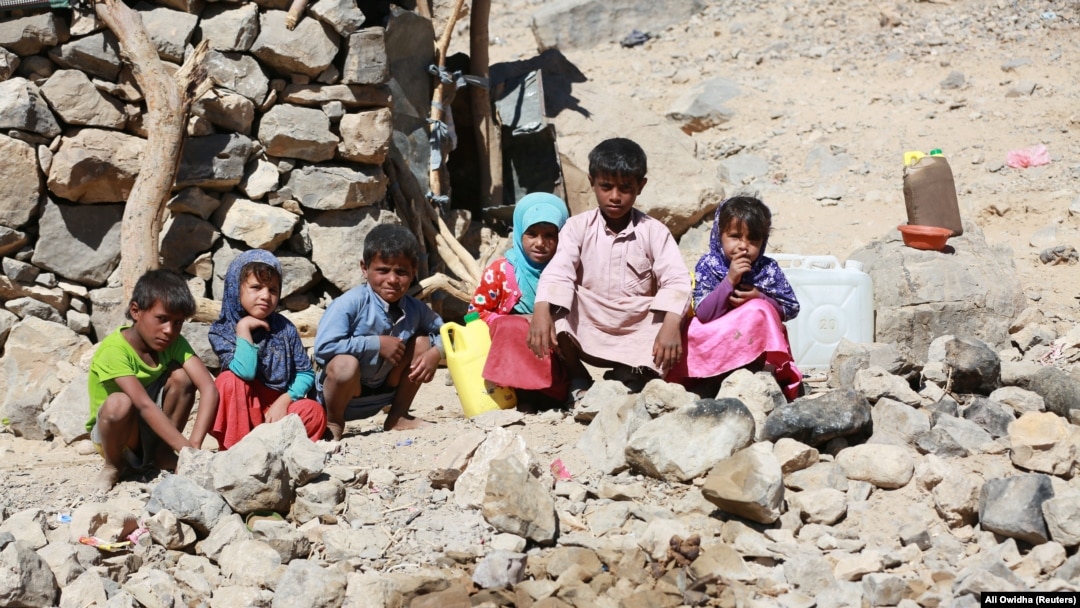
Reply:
x=894 y=482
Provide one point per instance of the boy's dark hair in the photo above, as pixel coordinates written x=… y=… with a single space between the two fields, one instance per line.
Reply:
x=262 y=271
x=391 y=240
x=748 y=210
x=165 y=286
x=619 y=157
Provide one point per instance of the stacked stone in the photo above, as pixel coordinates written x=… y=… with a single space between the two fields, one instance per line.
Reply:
x=285 y=153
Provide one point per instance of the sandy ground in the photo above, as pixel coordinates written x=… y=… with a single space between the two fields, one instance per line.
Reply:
x=812 y=73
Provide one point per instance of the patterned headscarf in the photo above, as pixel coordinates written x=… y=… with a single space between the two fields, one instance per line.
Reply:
x=281 y=354
x=765 y=273
x=532 y=209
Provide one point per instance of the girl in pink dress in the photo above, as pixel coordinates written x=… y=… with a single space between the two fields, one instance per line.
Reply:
x=741 y=300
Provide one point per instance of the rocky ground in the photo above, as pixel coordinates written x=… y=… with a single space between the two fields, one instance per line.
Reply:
x=926 y=498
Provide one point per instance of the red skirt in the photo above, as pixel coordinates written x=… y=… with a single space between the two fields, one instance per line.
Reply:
x=242 y=406
x=511 y=363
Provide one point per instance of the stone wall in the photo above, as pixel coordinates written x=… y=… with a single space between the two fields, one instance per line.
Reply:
x=287 y=152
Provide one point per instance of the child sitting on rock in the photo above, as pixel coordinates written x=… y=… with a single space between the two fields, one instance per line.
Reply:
x=266 y=373
x=741 y=299
x=143 y=379
x=375 y=344
x=505 y=298
x=615 y=293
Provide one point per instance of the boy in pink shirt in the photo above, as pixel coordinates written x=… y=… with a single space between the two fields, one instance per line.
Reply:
x=616 y=291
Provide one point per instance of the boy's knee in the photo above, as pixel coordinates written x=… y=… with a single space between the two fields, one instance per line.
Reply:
x=179 y=380
x=418 y=345
x=116 y=406
x=343 y=368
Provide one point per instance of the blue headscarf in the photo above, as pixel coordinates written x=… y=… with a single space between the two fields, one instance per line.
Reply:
x=765 y=273
x=532 y=209
x=281 y=353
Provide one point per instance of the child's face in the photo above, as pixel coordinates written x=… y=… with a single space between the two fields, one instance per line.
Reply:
x=540 y=241
x=157 y=327
x=615 y=195
x=736 y=242
x=390 y=277
x=259 y=298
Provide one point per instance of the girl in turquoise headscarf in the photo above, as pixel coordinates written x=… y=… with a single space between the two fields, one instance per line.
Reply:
x=505 y=296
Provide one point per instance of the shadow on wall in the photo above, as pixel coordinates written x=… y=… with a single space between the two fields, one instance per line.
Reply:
x=559 y=76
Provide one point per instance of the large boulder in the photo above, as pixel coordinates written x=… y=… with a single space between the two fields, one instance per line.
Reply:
x=21 y=107
x=1060 y=391
x=335 y=231
x=709 y=431
x=264 y=469
x=816 y=420
x=37 y=364
x=32 y=34
x=307 y=49
x=239 y=73
x=78 y=102
x=229 y=27
x=20 y=185
x=679 y=196
x=96 y=166
x=83 y=242
x=568 y=24
x=97 y=54
x=25 y=578
x=971 y=289
x=169 y=30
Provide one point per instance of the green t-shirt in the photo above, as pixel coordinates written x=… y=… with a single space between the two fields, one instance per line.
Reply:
x=115 y=358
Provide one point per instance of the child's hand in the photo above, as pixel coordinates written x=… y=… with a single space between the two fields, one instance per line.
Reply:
x=246 y=325
x=541 y=331
x=279 y=409
x=667 y=349
x=423 y=366
x=391 y=349
x=740 y=265
x=741 y=296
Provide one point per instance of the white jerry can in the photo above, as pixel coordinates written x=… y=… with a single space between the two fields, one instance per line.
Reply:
x=835 y=302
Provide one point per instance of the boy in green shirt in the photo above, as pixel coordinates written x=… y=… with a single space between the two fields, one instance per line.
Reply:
x=143 y=379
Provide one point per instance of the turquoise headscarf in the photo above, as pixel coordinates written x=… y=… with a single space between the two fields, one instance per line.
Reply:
x=532 y=209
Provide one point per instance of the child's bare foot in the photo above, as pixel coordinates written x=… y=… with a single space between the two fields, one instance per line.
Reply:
x=107 y=478
x=406 y=423
x=335 y=431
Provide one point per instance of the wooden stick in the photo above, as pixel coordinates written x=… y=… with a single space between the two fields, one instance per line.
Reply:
x=401 y=508
x=437 y=97
x=471 y=268
x=488 y=135
x=441 y=282
x=165 y=124
x=296 y=10
x=423 y=9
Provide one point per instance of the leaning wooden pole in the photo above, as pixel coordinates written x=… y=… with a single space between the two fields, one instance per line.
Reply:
x=488 y=137
x=165 y=138
x=437 y=112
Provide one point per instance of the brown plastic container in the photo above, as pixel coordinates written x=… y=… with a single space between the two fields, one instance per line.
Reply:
x=930 y=194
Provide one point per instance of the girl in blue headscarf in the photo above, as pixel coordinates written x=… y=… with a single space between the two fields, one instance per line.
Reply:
x=505 y=297
x=266 y=373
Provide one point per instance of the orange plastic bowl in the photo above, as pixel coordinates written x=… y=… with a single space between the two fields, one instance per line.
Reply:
x=930 y=238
